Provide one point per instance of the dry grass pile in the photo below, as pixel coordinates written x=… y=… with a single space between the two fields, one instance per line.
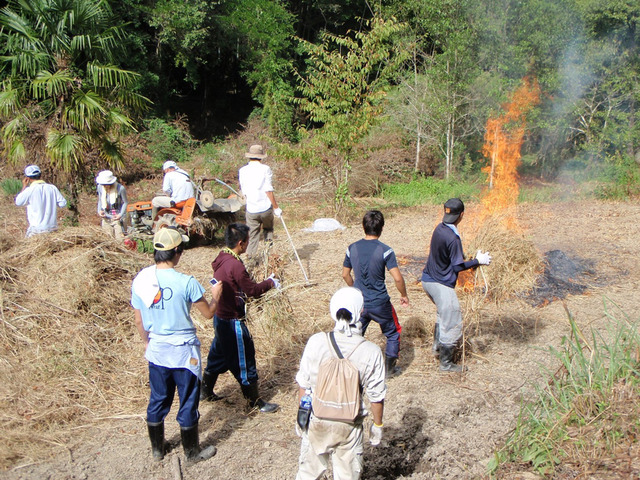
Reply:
x=70 y=353
x=280 y=334
x=515 y=265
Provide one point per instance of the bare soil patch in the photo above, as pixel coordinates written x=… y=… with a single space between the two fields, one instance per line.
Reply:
x=437 y=426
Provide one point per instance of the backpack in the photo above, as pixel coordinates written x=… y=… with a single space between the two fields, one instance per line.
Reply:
x=338 y=394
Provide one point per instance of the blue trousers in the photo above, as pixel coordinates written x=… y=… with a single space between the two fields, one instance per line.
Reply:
x=163 y=382
x=232 y=350
x=385 y=316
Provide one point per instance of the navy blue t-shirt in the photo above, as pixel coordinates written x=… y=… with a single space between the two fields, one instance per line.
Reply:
x=368 y=260
x=446 y=258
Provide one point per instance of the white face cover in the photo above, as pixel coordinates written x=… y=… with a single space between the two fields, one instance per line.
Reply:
x=351 y=299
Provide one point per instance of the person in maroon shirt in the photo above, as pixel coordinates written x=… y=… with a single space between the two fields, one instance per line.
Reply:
x=232 y=347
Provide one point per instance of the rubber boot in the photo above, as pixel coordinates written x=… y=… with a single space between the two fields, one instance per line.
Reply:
x=390 y=366
x=206 y=388
x=250 y=392
x=435 y=348
x=156 y=435
x=191 y=446
x=446 y=360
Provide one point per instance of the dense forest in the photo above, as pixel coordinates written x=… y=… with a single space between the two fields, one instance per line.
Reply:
x=80 y=76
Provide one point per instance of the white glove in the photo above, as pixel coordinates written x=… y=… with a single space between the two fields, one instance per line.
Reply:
x=298 y=430
x=375 y=434
x=276 y=282
x=483 y=257
x=277 y=212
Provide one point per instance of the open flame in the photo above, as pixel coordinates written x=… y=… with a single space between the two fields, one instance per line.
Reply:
x=502 y=142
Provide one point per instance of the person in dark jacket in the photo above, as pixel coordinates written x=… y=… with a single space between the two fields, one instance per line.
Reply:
x=232 y=347
x=439 y=277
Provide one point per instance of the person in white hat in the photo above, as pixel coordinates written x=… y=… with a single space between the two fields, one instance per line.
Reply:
x=162 y=298
x=255 y=182
x=337 y=441
x=176 y=184
x=42 y=201
x=112 y=204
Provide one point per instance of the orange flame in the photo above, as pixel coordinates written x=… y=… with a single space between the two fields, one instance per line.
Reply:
x=503 y=140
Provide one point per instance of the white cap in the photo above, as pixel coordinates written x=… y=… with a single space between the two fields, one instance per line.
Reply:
x=351 y=299
x=32 y=171
x=169 y=164
x=106 y=177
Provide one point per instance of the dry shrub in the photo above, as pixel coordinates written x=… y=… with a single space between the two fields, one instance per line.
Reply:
x=515 y=265
x=68 y=345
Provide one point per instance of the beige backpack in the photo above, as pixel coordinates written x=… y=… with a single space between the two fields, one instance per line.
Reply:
x=338 y=393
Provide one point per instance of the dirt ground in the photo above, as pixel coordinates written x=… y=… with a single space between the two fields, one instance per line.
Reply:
x=437 y=426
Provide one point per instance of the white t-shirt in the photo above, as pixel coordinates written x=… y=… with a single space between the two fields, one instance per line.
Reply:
x=368 y=359
x=255 y=181
x=177 y=184
x=42 y=201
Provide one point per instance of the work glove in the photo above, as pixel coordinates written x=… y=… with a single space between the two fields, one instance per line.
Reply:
x=298 y=430
x=483 y=257
x=277 y=212
x=375 y=434
x=276 y=282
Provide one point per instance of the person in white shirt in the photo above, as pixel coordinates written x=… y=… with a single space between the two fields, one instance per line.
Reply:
x=112 y=204
x=42 y=201
x=330 y=440
x=176 y=184
x=255 y=182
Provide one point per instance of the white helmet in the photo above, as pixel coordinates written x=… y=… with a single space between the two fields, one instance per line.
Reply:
x=350 y=299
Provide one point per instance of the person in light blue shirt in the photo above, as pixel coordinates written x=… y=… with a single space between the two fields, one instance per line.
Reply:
x=162 y=298
x=42 y=201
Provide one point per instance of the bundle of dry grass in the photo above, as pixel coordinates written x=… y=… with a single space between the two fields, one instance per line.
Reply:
x=514 y=268
x=69 y=350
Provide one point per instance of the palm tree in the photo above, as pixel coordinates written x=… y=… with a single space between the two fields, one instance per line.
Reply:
x=62 y=95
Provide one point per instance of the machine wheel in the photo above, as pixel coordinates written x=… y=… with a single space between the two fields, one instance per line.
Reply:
x=206 y=199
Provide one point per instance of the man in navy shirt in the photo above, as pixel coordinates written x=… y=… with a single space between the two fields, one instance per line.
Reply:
x=368 y=258
x=439 y=277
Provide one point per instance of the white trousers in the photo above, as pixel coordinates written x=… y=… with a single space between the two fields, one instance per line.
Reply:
x=328 y=440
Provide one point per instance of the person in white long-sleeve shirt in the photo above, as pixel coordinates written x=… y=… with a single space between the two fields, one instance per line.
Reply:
x=176 y=184
x=42 y=201
x=255 y=180
x=336 y=441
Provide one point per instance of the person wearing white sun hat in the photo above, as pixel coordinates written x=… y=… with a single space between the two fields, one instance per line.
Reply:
x=112 y=204
x=42 y=201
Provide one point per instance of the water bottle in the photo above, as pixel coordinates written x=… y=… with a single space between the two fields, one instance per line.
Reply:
x=304 y=411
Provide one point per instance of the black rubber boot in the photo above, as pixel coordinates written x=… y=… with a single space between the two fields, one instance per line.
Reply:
x=206 y=388
x=250 y=392
x=191 y=446
x=156 y=435
x=390 y=366
x=446 y=360
x=435 y=348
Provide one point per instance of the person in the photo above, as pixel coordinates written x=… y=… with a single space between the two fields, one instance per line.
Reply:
x=176 y=184
x=255 y=183
x=232 y=347
x=368 y=258
x=112 y=204
x=161 y=298
x=42 y=201
x=439 y=277
x=341 y=442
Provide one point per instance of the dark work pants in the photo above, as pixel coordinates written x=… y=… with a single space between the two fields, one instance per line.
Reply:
x=385 y=316
x=232 y=349
x=163 y=382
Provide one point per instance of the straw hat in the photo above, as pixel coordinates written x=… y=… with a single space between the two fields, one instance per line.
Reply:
x=256 y=151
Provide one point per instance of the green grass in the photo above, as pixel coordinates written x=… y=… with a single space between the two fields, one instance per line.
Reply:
x=428 y=191
x=586 y=409
x=11 y=186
